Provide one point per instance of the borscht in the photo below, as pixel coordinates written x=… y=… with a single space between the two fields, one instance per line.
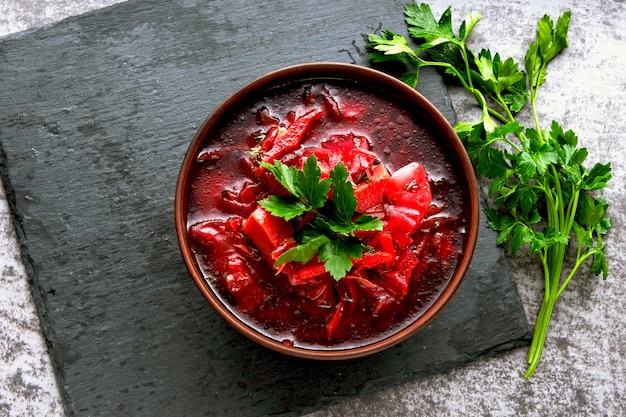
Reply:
x=376 y=164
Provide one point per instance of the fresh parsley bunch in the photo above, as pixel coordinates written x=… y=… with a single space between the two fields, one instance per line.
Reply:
x=330 y=233
x=543 y=196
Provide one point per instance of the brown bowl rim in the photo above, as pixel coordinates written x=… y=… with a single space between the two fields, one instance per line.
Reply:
x=359 y=74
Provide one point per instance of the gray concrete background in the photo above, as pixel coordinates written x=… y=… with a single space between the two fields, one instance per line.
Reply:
x=583 y=368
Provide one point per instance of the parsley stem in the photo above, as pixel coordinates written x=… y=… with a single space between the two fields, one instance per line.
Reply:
x=560 y=206
x=534 y=93
x=451 y=68
x=550 y=203
x=497 y=98
x=552 y=265
x=467 y=65
x=539 y=336
x=497 y=115
x=546 y=273
x=571 y=209
x=579 y=261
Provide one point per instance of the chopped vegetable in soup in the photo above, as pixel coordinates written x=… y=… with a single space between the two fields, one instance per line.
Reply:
x=325 y=216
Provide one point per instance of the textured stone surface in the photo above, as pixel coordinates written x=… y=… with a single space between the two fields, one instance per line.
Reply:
x=582 y=372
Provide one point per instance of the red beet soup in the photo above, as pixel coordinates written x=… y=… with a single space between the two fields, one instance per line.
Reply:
x=401 y=174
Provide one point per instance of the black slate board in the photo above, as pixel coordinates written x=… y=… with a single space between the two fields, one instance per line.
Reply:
x=96 y=113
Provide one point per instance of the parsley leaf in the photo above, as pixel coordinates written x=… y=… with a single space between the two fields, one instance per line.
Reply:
x=280 y=207
x=331 y=234
x=497 y=76
x=285 y=174
x=309 y=186
x=337 y=255
x=389 y=46
x=422 y=24
x=598 y=177
x=304 y=252
x=552 y=39
x=343 y=198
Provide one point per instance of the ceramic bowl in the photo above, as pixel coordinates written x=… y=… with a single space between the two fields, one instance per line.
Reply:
x=214 y=143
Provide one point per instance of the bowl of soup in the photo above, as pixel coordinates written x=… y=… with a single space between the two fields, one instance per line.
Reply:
x=395 y=172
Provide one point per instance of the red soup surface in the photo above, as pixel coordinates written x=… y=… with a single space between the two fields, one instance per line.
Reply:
x=400 y=174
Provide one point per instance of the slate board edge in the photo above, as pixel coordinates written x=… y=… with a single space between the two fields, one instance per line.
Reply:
x=32 y=276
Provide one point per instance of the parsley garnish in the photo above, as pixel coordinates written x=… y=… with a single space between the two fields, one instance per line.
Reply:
x=543 y=196
x=330 y=235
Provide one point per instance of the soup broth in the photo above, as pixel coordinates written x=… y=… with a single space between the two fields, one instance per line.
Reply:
x=411 y=260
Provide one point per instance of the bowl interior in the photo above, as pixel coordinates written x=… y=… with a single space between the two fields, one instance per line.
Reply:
x=374 y=82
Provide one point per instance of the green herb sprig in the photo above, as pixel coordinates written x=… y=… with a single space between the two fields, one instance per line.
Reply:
x=331 y=233
x=543 y=197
